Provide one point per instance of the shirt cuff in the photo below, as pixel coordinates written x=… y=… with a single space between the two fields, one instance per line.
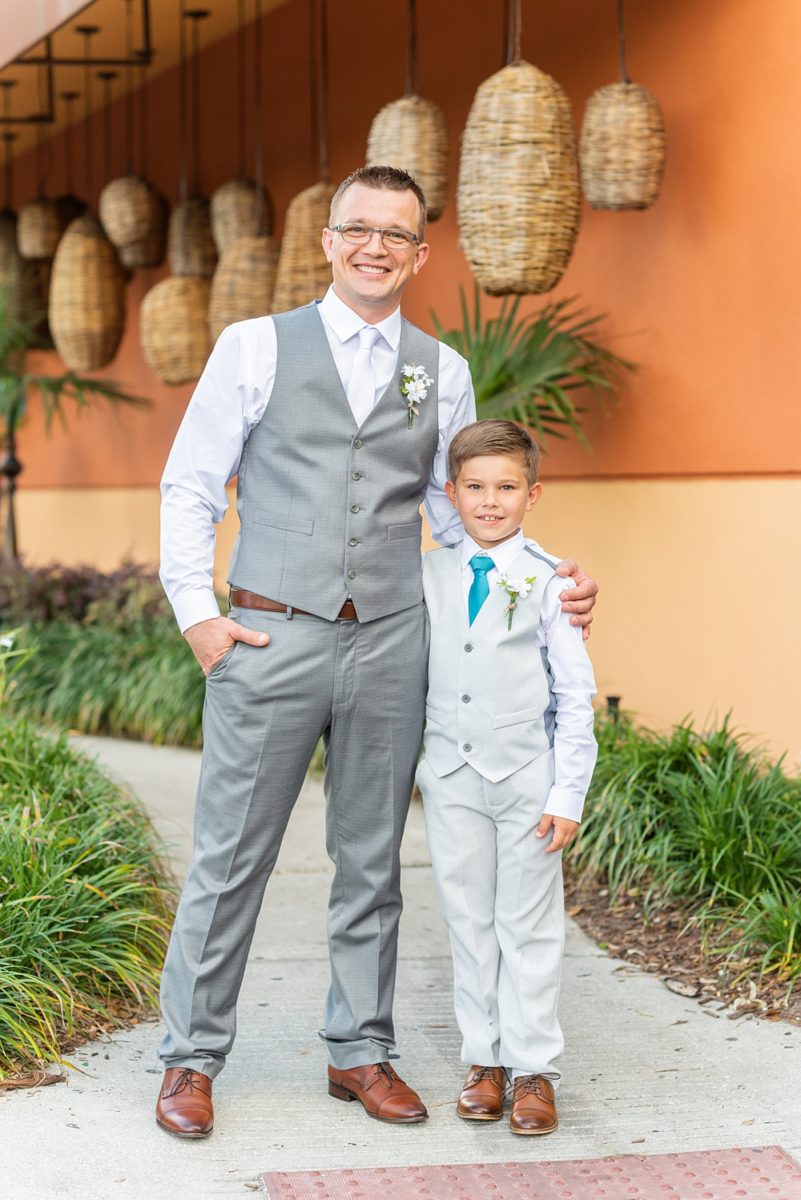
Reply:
x=192 y=607
x=564 y=803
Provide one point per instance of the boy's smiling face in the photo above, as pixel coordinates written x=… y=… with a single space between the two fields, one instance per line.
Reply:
x=492 y=494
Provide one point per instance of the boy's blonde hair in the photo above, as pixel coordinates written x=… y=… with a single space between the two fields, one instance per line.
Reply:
x=494 y=437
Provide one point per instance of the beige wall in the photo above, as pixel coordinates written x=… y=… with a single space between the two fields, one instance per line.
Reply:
x=699 y=585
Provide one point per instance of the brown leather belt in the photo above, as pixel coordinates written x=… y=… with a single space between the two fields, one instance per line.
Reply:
x=244 y=599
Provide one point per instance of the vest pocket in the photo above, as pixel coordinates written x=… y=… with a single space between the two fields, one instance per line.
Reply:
x=516 y=718
x=413 y=529
x=289 y=524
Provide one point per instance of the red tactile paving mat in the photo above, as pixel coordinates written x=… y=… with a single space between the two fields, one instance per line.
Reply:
x=766 y=1173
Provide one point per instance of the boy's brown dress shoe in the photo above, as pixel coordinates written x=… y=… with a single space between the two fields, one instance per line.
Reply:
x=481 y=1097
x=184 y=1105
x=533 y=1105
x=382 y=1092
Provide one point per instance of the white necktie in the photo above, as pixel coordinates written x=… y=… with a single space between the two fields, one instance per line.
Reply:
x=361 y=385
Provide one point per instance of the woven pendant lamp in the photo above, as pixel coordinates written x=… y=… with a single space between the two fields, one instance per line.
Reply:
x=173 y=317
x=411 y=133
x=87 y=296
x=242 y=207
x=304 y=273
x=622 y=146
x=87 y=286
x=243 y=283
x=173 y=328
x=39 y=228
x=518 y=196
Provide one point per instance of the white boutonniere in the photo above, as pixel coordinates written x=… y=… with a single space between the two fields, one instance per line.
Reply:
x=415 y=382
x=516 y=590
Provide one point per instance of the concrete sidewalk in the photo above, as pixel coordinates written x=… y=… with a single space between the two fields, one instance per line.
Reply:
x=645 y=1071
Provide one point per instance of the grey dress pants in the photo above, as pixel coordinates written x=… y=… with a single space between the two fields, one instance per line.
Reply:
x=362 y=688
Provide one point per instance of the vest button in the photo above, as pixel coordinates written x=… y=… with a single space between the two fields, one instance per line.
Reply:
x=468 y=647
x=356 y=475
x=467 y=747
x=353 y=542
x=351 y=574
x=465 y=699
x=357 y=445
x=355 y=507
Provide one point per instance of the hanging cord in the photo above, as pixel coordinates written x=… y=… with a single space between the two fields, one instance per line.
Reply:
x=129 y=97
x=69 y=99
x=183 y=122
x=144 y=119
x=412 y=65
x=313 y=107
x=43 y=145
x=196 y=15
x=107 y=78
x=88 y=32
x=258 y=147
x=241 y=86
x=8 y=138
x=621 y=42
x=513 y=30
x=325 y=172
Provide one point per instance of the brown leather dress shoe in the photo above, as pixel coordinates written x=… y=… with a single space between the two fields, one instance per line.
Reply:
x=481 y=1097
x=184 y=1105
x=533 y=1105
x=381 y=1090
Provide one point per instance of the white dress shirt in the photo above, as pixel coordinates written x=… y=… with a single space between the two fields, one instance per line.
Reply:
x=229 y=401
x=575 y=748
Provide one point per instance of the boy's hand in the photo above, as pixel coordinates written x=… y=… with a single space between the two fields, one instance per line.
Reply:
x=578 y=600
x=564 y=832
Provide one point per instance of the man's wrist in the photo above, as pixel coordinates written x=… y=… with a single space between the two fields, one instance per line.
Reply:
x=191 y=608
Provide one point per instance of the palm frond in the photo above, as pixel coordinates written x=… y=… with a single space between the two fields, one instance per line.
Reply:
x=524 y=368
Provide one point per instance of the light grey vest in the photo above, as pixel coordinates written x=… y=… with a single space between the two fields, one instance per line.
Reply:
x=489 y=687
x=328 y=509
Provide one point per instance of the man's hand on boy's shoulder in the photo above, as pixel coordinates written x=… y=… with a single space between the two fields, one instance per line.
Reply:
x=564 y=832
x=578 y=600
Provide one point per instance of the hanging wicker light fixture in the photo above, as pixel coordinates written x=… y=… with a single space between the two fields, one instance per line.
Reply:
x=411 y=133
x=518 y=196
x=41 y=221
x=133 y=212
x=173 y=318
x=242 y=207
x=87 y=287
x=622 y=146
x=244 y=280
x=304 y=272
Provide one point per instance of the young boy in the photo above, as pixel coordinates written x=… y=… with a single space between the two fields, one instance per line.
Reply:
x=508 y=756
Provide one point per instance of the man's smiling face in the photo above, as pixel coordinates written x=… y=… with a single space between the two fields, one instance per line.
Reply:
x=371 y=279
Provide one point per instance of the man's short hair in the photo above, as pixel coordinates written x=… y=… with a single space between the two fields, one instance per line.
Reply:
x=392 y=179
x=494 y=437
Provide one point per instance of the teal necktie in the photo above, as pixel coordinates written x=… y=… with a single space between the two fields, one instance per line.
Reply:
x=479 y=588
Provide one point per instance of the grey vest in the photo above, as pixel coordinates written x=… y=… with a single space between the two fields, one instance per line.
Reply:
x=489 y=687
x=327 y=509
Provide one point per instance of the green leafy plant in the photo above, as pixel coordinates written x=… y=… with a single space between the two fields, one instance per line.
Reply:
x=528 y=368
x=18 y=334
x=85 y=897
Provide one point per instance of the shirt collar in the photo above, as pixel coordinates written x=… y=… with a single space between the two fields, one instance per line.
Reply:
x=345 y=323
x=503 y=556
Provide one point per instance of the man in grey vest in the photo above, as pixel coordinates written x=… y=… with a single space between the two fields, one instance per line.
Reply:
x=336 y=419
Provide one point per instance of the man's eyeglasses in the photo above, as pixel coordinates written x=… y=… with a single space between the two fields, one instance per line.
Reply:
x=391 y=239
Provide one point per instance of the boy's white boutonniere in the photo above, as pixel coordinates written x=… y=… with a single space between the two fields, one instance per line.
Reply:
x=516 y=589
x=415 y=382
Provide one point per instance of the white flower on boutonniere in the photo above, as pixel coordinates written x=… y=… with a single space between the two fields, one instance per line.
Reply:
x=516 y=590
x=415 y=382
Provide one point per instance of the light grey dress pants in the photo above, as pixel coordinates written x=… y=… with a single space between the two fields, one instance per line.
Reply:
x=362 y=688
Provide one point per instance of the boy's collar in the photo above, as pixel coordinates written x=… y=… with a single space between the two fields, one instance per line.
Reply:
x=503 y=555
x=346 y=323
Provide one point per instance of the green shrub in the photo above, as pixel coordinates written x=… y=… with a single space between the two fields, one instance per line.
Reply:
x=700 y=819
x=85 y=901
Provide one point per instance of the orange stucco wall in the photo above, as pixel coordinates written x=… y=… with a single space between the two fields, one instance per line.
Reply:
x=701 y=290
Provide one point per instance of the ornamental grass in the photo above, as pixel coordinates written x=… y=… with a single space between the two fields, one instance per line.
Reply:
x=704 y=820
x=85 y=900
